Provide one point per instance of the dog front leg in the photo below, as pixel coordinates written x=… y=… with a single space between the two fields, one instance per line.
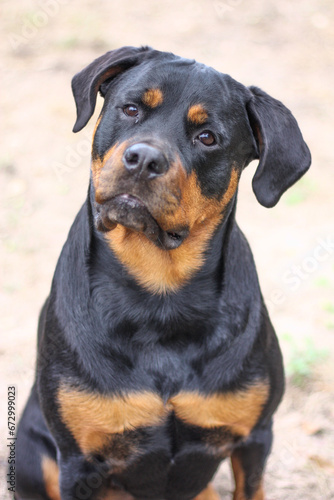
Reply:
x=248 y=462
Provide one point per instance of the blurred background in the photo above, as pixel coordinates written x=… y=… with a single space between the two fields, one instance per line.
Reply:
x=287 y=49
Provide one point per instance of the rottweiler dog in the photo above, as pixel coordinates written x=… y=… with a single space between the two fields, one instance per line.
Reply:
x=156 y=355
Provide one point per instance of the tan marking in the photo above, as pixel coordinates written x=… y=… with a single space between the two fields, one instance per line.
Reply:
x=96 y=163
x=93 y=418
x=51 y=477
x=109 y=73
x=239 y=478
x=117 y=495
x=197 y=114
x=115 y=152
x=259 y=137
x=239 y=411
x=153 y=98
x=159 y=270
x=208 y=494
x=98 y=121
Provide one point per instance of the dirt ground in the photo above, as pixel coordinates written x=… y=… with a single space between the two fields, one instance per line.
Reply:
x=286 y=48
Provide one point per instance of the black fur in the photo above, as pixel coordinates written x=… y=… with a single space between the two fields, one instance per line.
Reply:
x=103 y=332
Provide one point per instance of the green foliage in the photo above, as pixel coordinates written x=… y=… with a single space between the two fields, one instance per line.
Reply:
x=69 y=42
x=300 y=192
x=328 y=307
x=322 y=282
x=302 y=359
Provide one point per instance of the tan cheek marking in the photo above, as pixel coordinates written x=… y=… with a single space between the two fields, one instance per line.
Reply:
x=160 y=271
x=208 y=494
x=98 y=121
x=231 y=189
x=51 y=477
x=239 y=411
x=102 y=170
x=197 y=114
x=153 y=98
x=195 y=208
x=239 y=478
x=93 y=418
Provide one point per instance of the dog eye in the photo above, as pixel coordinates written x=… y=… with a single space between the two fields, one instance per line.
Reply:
x=207 y=138
x=131 y=110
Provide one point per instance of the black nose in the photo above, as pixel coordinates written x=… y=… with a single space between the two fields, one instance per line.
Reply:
x=144 y=160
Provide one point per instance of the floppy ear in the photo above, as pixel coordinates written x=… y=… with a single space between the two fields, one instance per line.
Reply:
x=284 y=156
x=87 y=83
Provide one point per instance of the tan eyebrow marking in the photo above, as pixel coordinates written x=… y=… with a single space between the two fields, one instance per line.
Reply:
x=153 y=98
x=197 y=114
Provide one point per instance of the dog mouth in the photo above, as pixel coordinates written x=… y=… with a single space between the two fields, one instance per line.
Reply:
x=130 y=212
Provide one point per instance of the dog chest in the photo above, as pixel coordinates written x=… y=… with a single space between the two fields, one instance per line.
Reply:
x=95 y=420
x=138 y=435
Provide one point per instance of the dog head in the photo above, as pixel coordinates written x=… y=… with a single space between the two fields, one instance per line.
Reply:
x=170 y=144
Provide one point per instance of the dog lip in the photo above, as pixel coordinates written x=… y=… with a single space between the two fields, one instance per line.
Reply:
x=128 y=211
x=172 y=239
x=130 y=200
x=131 y=212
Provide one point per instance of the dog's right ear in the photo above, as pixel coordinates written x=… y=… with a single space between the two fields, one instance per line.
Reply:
x=284 y=156
x=87 y=83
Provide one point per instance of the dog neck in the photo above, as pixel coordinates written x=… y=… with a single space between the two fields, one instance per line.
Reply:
x=160 y=271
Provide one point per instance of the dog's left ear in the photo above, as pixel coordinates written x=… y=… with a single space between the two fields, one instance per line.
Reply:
x=87 y=83
x=284 y=156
